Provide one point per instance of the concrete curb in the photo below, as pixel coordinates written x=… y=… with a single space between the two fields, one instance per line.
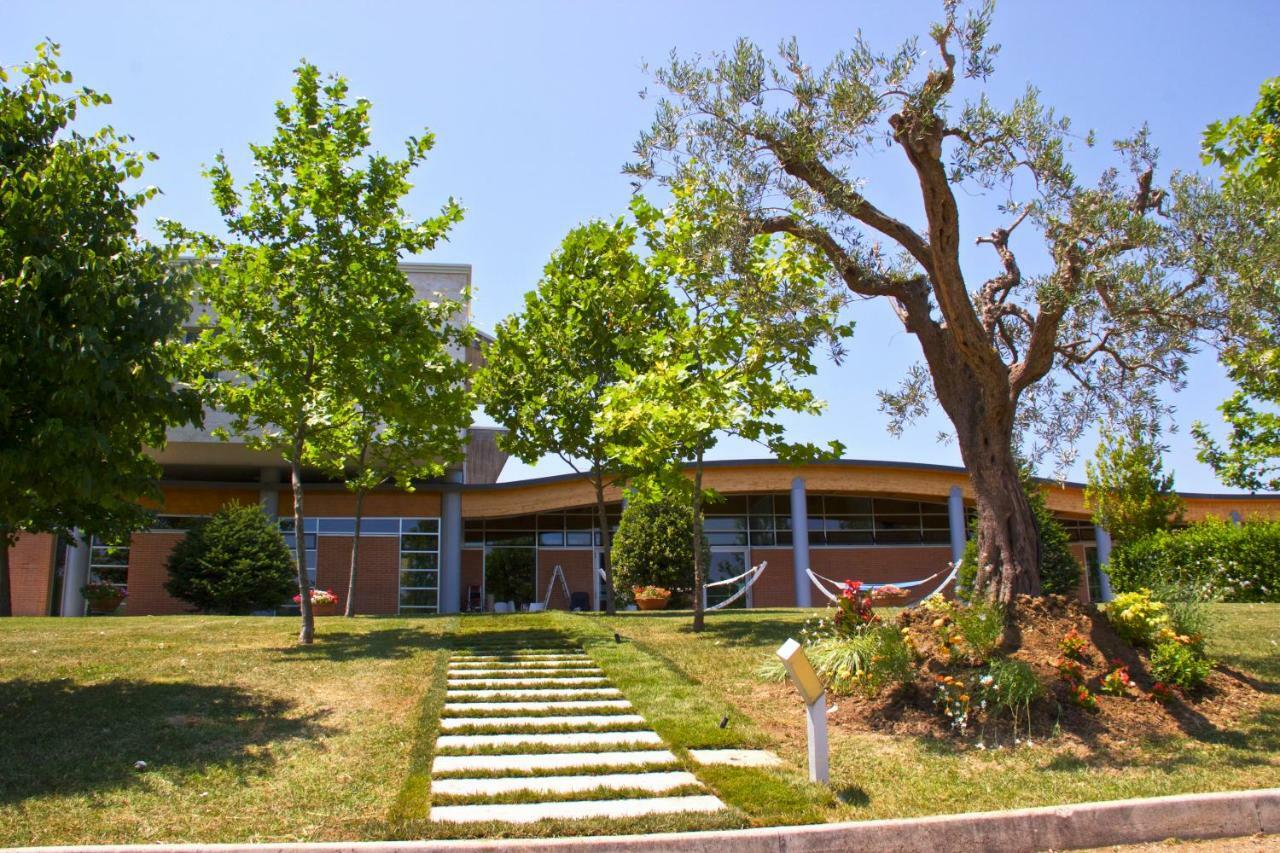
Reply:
x=1188 y=816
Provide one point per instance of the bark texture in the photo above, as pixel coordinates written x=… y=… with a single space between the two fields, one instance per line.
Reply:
x=306 y=634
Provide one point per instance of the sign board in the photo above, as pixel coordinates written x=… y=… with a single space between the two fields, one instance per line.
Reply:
x=801 y=671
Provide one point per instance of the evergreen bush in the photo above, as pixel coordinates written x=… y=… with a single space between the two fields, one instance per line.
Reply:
x=654 y=546
x=235 y=562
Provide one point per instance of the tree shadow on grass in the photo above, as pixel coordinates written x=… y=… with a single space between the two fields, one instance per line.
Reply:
x=62 y=738
x=381 y=644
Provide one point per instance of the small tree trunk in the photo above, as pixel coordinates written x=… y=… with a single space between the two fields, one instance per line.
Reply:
x=699 y=570
x=355 y=557
x=606 y=545
x=308 y=631
x=6 y=601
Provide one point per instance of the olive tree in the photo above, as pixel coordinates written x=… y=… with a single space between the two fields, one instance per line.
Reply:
x=1099 y=318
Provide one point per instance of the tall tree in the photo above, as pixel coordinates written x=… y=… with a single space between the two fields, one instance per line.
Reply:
x=1127 y=490
x=1100 y=328
x=305 y=288
x=1248 y=150
x=592 y=319
x=750 y=318
x=90 y=319
x=412 y=409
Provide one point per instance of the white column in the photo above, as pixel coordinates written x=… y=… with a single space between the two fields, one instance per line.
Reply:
x=451 y=544
x=75 y=574
x=800 y=543
x=816 y=719
x=955 y=518
x=1103 y=541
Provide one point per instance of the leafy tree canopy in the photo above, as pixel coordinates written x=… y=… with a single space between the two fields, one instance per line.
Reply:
x=1128 y=491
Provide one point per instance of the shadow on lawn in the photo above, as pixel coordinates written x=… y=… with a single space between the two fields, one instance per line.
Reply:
x=63 y=738
x=384 y=644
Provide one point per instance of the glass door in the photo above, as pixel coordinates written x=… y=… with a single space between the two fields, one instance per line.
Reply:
x=727 y=563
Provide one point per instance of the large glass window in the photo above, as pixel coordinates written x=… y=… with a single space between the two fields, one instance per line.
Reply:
x=419 y=565
x=109 y=562
x=574 y=528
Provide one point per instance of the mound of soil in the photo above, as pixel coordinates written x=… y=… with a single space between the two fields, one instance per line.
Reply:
x=1038 y=626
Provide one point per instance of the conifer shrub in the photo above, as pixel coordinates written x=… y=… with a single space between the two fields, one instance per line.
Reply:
x=654 y=546
x=234 y=562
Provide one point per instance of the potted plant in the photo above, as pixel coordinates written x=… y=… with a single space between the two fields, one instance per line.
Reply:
x=889 y=596
x=651 y=597
x=323 y=602
x=103 y=597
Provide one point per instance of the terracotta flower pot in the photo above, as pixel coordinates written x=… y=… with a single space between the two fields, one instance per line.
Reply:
x=893 y=599
x=325 y=609
x=107 y=604
x=653 y=603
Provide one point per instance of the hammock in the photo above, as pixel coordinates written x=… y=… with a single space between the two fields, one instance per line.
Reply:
x=819 y=579
x=755 y=572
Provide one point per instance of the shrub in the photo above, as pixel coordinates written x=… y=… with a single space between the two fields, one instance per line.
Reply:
x=1236 y=563
x=1073 y=645
x=1012 y=686
x=654 y=545
x=1179 y=664
x=868 y=662
x=235 y=562
x=1137 y=617
x=1117 y=681
x=980 y=626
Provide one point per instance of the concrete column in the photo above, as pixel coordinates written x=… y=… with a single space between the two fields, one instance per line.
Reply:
x=800 y=543
x=269 y=492
x=75 y=574
x=451 y=544
x=1103 y=541
x=955 y=519
x=1235 y=518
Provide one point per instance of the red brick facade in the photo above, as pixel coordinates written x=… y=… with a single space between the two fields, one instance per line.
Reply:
x=31 y=574
x=148 y=571
x=377 y=579
x=472 y=574
x=576 y=565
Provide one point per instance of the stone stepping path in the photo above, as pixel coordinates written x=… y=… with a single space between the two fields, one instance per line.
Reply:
x=545 y=723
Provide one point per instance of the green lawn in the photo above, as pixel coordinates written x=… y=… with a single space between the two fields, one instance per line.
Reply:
x=248 y=738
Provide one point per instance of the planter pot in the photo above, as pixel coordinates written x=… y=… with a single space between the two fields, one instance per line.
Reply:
x=324 y=609
x=892 y=600
x=105 y=605
x=653 y=603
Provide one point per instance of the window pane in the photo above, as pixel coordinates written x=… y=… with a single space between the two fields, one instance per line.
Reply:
x=551 y=540
x=783 y=537
x=848 y=537
x=732 y=505
x=762 y=522
x=503 y=537
x=551 y=521
x=337 y=525
x=760 y=505
x=933 y=508
x=727 y=523
x=419 y=598
x=762 y=537
x=419 y=562
x=521 y=523
x=579 y=521
x=578 y=538
x=727 y=538
x=419 y=543
x=886 y=506
x=847 y=505
x=850 y=523
x=419 y=525
x=419 y=579
x=897 y=522
x=814 y=504
x=937 y=536
x=379 y=526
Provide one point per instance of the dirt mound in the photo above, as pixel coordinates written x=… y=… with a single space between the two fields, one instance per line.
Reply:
x=1038 y=627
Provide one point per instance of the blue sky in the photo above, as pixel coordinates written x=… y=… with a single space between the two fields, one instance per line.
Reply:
x=535 y=107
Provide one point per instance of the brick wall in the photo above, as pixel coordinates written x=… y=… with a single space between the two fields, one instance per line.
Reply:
x=148 y=571
x=577 y=573
x=377 y=578
x=776 y=587
x=31 y=574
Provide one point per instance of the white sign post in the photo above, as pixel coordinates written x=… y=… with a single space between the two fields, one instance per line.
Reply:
x=810 y=687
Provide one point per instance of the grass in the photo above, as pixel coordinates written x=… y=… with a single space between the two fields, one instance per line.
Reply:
x=249 y=738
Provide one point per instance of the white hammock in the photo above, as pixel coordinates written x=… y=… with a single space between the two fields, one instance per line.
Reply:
x=755 y=573
x=831 y=596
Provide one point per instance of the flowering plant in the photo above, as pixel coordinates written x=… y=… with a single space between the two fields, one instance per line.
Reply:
x=887 y=591
x=853 y=610
x=952 y=698
x=101 y=591
x=1163 y=693
x=1081 y=696
x=318 y=596
x=1072 y=671
x=650 y=592
x=1117 y=682
x=1073 y=645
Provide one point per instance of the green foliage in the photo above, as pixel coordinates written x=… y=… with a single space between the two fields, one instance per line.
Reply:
x=234 y=562
x=1213 y=558
x=310 y=320
x=509 y=574
x=1137 y=617
x=1009 y=686
x=1248 y=147
x=1179 y=664
x=869 y=662
x=90 y=317
x=1127 y=490
x=980 y=625
x=654 y=544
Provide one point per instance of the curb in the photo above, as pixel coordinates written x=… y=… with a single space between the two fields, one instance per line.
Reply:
x=1188 y=816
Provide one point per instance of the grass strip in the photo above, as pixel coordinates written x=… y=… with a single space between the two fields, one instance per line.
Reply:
x=413 y=801
x=581 y=770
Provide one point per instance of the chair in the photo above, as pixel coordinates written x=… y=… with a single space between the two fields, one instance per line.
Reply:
x=474 y=602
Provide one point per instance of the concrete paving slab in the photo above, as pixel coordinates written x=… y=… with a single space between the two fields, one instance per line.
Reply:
x=530 y=812
x=656 y=782
x=736 y=757
x=582 y=720
x=522 y=669
x=549 y=761
x=527 y=682
x=536 y=693
x=540 y=739
x=563 y=705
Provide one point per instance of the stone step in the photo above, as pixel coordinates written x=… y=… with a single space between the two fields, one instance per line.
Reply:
x=548 y=761
x=556 y=660
x=564 y=705
x=526 y=682
x=656 y=782
x=584 y=721
x=521 y=669
x=535 y=693
x=530 y=812
x=536 y=739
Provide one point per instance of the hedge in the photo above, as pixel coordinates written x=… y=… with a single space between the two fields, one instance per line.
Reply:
x=1231 y=562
